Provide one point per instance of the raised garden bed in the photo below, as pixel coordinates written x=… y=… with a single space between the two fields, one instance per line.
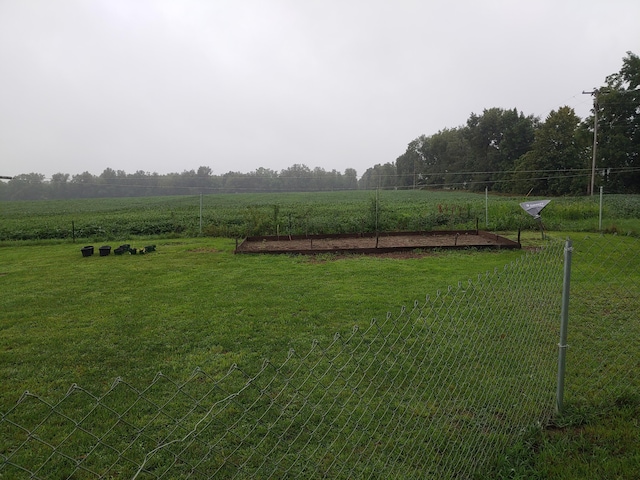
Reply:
x=370 y=243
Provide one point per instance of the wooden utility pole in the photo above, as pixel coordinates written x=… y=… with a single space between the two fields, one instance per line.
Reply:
x=595 y=136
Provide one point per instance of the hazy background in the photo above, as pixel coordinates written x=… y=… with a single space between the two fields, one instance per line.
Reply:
x=165 y=86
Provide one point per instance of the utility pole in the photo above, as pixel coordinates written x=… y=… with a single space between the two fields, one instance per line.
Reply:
x=595 y=136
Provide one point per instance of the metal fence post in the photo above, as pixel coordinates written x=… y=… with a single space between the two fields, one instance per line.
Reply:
x=486 y=207
x=600 y=212
x=564 y=322
x=200 y=214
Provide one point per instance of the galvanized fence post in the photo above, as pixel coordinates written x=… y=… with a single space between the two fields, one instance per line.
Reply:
x=600 y=213
x=200 y=214
x=564 y=322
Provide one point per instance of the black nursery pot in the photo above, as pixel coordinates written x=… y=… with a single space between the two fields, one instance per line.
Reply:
x=105 y=250
x=87 y=251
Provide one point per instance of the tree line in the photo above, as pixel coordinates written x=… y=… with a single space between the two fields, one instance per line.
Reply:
x=508 y=151
x=112 y=183
x=501 y=150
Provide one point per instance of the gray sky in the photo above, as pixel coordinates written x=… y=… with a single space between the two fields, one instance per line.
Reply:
x=166 y=86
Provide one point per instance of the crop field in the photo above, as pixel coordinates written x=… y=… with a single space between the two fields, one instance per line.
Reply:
x=241 y=215
x=67 y=320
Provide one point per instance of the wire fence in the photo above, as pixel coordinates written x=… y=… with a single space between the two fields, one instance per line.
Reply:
x=438 y=390
x=603 y=360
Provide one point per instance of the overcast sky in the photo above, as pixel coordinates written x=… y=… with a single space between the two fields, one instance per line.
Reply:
x=170 y=85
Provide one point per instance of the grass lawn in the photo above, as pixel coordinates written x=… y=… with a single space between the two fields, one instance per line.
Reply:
x=598 y=434
x=66 y=319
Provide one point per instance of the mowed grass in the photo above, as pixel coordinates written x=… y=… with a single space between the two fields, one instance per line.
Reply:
x=193 y=303
x=598 y=434
x=67 y=319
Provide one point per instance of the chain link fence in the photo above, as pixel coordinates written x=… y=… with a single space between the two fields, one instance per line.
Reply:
x=436 y=390
x=603 y=358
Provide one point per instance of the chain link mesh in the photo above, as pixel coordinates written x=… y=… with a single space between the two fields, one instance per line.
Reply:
x=439 y=389
x=603 y=360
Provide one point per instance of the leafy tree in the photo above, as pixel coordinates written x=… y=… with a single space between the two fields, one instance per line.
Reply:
x=379 y=176
x=350 y=179
x=321 y=179
x=203 y=178
x=3 y=190
x=555 y=164
x=446 y=155
x=497 y=138
x=204 y=171
x=410 y=164
x=479 y=154
x=27 y=186
x=59 y=185
x=84 y=185
x=296 y=178
x=111 y=183
x=618 y=147
x=263 y=180
x=436 y=161
x=108 y=183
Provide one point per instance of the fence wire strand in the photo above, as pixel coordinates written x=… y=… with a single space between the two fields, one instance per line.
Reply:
x=438 y=389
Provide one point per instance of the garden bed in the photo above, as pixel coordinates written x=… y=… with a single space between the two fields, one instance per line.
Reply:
x=370 y=243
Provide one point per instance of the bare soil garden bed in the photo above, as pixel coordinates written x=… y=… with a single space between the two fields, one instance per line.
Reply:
x=370 y=243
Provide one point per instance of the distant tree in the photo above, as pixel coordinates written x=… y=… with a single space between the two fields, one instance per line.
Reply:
x=320 y=179
x=479 y=154
x=296 y=178
x=154 y=184
x=108 y=185
x=555 y=164
x=84 y=185
x=380 y=176
x=618 y=148
x=497 y=138
x=260 y=180
x=350 y=179
x=4 y=196
x=204 y=171
x=411 y=163
x=266 y=180
x=27 y=186
x=108 y=174
x=59 y=185
x=203 y=179
x=112 y=183
x=446 y=157
x=184 y=182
